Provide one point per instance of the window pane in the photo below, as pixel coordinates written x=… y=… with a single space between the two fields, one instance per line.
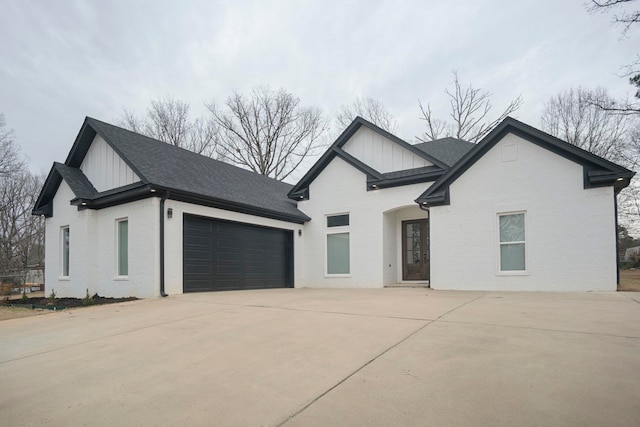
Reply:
x=338 y=220
x=123 y=248
x=65 y=251
x=512 y=257
x=512 y=228
x=338 y=253
x=413 y=243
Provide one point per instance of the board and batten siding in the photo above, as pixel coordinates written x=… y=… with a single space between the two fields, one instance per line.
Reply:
x=105 y=168
x=381 y=153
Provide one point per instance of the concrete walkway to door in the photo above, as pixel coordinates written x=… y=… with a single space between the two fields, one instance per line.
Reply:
x=319 y=357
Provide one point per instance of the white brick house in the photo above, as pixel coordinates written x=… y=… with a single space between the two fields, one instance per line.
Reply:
x=521 y=210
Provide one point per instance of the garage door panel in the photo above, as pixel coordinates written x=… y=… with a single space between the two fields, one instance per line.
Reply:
x=256 y=246
x=195 y=226
x=198 y=255
x=232 y=269
x=256 y=270
x=228 y=257
x=223 y=255
x=196 y=269
x=197 y=240
x=227 y=243
x=254 y=255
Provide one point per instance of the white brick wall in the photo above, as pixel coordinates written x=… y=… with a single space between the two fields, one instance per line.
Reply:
x=93 y=251
x=570 y=231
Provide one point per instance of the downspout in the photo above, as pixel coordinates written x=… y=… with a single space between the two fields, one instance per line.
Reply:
x=162 y=200
x=615 y=207
x=424 y=207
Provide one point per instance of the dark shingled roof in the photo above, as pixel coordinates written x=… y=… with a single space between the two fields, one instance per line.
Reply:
x=301 y=190
x=448 y=150
x=76 y=180
x=186 y=175
x=598 y=172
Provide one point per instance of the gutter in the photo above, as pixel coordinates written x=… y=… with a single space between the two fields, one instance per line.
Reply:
x=162 y=200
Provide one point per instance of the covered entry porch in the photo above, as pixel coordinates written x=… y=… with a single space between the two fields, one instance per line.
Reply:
x=406 y=252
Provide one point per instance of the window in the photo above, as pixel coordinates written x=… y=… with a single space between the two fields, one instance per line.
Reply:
x=512 y=242
x=123 y=247
x=338 y=244
x=338 y=253
x=338 y=220
x=65 y=250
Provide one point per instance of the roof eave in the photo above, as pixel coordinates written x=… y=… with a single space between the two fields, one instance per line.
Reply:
x=44 y=201
x=437 y=199
x=301 y=188
x=246 y=208
x=405 y=180
x=101 y=200
x=44 y=210
x=609 y=174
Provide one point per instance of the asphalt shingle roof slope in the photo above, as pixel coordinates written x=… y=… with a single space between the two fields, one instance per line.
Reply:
x=448 y=150
x=76 y=180
x=174 y=168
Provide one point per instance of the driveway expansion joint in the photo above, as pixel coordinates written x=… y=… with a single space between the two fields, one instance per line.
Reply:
x=532 y=328
x=385 y=351
x=272 y=307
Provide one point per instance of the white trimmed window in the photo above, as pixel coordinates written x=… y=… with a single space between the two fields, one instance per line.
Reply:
x=512 y=242
x=64 y=250
x=122 y=227
x=338 y=262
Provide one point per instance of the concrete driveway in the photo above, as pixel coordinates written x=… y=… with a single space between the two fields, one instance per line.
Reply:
x=311 y=357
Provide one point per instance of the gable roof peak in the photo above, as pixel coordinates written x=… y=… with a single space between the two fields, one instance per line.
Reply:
x=180 y=172
x=300 y=191
x=597 y=170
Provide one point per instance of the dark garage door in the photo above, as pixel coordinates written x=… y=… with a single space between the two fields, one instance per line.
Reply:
x=223 y=255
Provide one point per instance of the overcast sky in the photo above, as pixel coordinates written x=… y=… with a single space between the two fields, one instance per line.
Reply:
x=63 y=60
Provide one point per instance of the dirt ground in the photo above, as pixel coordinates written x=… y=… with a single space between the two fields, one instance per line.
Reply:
x=38 y=299
x=17 y=312
x=629 y=280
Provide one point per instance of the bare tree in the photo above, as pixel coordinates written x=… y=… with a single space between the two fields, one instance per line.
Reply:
x=168 y=120
x=573 y=117
x=10 y=160
x=627 y=18
x=469 y=113
x=268 y=131
x=21 y=234
x=370 y=109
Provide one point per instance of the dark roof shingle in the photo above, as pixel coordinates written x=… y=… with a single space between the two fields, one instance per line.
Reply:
x=448 y=150
x=174 y=168
x=77 y=181
x=185 y=175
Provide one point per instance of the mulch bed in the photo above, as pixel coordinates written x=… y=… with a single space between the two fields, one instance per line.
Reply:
x=62 y=303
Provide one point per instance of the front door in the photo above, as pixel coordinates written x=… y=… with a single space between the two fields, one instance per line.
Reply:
x=415 y=249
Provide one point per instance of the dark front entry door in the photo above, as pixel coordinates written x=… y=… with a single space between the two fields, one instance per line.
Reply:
x=415 y=249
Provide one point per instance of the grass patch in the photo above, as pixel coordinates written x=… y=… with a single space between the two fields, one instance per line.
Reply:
x=629 y=281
